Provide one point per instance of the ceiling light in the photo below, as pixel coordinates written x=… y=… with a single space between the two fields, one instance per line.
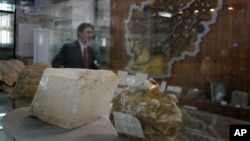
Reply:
x=2 y=114
x=230 y=8
x=165 y=14
x=196 y=11
x=212 y=10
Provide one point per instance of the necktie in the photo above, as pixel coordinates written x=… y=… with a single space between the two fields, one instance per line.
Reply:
x=85 y=57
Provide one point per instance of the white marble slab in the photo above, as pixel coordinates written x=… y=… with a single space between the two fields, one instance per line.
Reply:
x=70 y=98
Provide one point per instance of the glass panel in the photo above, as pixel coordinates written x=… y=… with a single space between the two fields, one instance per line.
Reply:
x=197 y=50
x=214 y=74
x=198 y=45
x=7 y=6
x=48 y=43
x=6 y=35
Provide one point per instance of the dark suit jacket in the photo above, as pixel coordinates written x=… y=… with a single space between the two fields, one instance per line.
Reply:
x=70 y=56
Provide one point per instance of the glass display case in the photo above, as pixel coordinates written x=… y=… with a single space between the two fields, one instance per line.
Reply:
x=200 y=47
x=192 y=45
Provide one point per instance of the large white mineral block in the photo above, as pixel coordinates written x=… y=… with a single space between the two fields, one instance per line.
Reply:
x=70 y=98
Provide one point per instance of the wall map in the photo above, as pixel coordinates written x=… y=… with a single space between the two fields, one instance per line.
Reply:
x=162 y=32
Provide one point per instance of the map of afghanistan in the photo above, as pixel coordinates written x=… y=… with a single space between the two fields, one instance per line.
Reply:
x=162 y=32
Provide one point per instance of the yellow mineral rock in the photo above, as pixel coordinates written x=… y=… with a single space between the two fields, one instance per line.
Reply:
x=158 y=114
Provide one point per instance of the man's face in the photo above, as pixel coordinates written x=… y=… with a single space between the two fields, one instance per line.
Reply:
x=86 y=35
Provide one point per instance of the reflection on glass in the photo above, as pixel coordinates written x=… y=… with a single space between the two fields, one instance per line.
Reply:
x=4 y=6
x=6 y=35
x=156 y=41
x=6 y=29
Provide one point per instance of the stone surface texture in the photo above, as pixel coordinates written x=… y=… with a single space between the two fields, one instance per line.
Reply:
x=70 y=98
x=28 y=80
x=159 y=115
x=9 y=70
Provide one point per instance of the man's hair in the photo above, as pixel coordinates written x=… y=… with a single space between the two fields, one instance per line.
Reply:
x=83 y=26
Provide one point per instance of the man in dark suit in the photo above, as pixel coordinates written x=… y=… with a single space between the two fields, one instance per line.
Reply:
x=77 y=54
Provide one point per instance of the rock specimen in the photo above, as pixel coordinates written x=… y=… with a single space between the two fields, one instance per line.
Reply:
x=28 y=80
x=9 y=70
x=159 y=116
x=70 y=98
